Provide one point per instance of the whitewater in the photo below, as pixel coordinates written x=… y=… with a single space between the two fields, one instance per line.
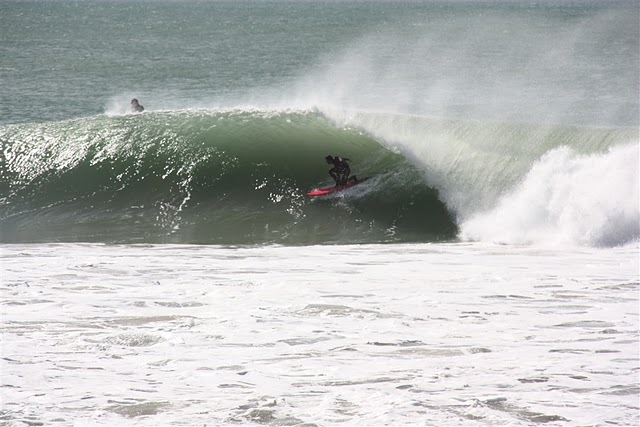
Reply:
x=167 y=268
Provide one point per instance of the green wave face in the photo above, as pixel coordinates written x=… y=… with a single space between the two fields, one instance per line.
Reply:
x=226 y=177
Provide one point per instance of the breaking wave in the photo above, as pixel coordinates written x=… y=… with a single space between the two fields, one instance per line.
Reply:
x=240 y=176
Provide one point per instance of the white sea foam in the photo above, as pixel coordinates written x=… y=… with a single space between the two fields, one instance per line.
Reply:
x=568 y=198
x=458 y=334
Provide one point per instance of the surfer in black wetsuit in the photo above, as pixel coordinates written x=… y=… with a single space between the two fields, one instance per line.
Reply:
x=340 y=171
x=136 y=107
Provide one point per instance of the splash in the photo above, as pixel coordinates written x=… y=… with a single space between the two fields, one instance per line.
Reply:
x=568 y=198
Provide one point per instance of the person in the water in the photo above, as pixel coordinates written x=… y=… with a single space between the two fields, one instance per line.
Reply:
x=136 y=107
x=340 y=171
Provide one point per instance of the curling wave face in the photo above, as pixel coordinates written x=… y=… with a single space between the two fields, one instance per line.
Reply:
x=223 y=177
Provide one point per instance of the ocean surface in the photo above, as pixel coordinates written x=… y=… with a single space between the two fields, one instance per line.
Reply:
x=168 y=268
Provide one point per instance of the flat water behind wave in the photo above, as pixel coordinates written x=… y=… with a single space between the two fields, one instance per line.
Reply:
x=429 y=334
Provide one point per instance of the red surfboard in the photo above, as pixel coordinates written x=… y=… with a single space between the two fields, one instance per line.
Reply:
x=330 y=190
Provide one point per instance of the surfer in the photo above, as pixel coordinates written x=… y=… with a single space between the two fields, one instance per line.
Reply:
x=136 y=107
x=340 y=171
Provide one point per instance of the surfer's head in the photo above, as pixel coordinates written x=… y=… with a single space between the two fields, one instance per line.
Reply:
x=134 y=101
x=329 y=159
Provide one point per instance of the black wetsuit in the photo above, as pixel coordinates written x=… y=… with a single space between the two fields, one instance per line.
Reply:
x=136 y=107
x=340 y=171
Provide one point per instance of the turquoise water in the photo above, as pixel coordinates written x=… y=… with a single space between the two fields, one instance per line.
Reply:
x=64 y=59
x=80 y=54
x=450 y=105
